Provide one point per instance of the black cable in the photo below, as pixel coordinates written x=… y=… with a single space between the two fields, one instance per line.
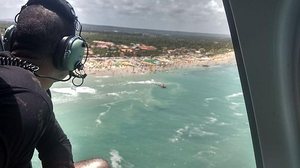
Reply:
x=13 y=61
x=56 y=79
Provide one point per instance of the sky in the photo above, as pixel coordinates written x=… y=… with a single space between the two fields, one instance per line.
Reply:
x=204 y=16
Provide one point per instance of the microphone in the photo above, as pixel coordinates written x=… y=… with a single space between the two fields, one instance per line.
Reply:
x=78 y=75
x=75 y=75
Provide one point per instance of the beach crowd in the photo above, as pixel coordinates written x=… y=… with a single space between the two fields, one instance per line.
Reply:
x=140 y=65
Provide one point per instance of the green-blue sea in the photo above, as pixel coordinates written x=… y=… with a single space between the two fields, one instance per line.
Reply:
x=198 y=121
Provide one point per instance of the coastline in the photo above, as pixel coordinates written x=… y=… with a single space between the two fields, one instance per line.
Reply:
x=124 y=66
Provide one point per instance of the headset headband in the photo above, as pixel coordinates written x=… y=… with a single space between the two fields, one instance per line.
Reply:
x=60 y=7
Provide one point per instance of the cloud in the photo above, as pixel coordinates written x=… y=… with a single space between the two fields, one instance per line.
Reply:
x=164 y=7
x=8 y=9
x=214 y=6
x=12 y=3
x=187 y=15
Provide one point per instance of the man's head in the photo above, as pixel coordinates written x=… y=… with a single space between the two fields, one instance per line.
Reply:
x=41 y=25
x=39 y=31
x=44 y=34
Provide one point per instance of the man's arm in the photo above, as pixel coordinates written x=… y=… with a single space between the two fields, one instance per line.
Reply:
x=55 y=151
x=54 y=147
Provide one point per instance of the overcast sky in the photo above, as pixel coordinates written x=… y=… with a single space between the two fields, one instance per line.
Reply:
x=205 y=16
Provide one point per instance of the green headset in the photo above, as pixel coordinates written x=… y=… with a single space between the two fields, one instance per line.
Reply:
x=70 y=51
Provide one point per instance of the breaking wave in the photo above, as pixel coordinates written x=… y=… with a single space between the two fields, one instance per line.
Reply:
x=74 y=90
x=190 y=131
x=117 y=160
x=147 y=82
x=234 y=95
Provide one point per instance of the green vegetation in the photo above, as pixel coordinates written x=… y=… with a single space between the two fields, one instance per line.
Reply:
x=2 y=29
x=161 y=42
x=3 y=26
x=182 y=44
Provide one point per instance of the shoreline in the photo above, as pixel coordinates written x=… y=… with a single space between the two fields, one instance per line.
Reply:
x=126 y=66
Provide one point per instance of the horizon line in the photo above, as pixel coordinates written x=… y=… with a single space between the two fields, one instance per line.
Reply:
x=179 y=31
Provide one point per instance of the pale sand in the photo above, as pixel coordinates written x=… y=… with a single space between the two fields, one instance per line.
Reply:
x=117 y=66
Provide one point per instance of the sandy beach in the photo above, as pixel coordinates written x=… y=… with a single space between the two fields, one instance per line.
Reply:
x=123 y=66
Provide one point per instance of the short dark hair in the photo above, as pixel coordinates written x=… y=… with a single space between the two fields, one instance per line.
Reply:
x=40 y=30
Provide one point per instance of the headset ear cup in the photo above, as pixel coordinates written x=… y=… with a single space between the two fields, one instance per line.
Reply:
x=60 y=52
x=8 y=37
x=69 y=53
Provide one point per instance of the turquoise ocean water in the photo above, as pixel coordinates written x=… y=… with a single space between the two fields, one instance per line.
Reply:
x=198 y=121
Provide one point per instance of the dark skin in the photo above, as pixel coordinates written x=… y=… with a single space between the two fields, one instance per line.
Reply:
x=48 y=69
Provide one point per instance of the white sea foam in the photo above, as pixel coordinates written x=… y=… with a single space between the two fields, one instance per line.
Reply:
x=211 y=120
x=209 y=152
x=189 y=131
x=179 y=134
x=113 y=94
x=74 y=91
x=69 y=91
x=223 y=124
x=147 y=82
x=104 y=76
x=128 y=93
x=182 y=130
x=199 y=132
x=238 y=114
x=98 y=120
x=234 y=95
x=118 y=94
x=63 y=99
x=102 y=114
x=206 y=154
x=233 y=106
x=85 y=90
x=115 y=159
x=208 y=100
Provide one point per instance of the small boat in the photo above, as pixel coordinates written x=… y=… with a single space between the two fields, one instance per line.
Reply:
x=162 y=85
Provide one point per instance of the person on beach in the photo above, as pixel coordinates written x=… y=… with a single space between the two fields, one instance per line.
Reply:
x=41 y=48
